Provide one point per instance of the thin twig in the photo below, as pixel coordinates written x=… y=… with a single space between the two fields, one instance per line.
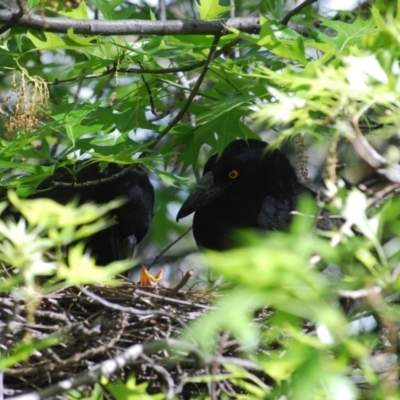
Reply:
x=285 y=20
x=168 y=247
x=196 y=87
x=152 y=105
x=96 y=182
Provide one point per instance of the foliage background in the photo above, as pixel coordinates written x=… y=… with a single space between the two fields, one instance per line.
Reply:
x=316 y=86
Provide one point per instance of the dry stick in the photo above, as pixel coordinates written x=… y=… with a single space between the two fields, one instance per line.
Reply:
x=183 y=282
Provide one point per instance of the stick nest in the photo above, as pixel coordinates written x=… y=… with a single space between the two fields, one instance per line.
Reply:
x=97 y=323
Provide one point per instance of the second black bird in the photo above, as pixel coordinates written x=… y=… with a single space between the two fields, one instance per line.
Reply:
x=131 y=219
x=248 y=186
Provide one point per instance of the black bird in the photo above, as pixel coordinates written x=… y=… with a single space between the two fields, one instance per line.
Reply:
x=249 y=186
x=131 y=220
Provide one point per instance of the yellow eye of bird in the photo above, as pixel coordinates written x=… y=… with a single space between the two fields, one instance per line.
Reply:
x=233 y=174
x=115 y=219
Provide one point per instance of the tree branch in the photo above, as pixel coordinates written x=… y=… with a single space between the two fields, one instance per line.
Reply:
x=129 y=27
x=366 y=152
x=16 y=16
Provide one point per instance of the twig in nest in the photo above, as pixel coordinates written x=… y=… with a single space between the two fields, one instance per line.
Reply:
x=183 y=282
x=162 y=371
x=115 y=306
x=173 y=300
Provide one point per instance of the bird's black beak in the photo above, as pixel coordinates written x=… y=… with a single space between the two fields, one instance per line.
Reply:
x=205 y=192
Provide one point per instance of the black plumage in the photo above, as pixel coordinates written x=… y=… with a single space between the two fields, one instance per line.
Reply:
x=131 y=219
x=248 y=186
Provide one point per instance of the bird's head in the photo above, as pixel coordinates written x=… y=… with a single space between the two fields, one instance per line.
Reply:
x=242 y=167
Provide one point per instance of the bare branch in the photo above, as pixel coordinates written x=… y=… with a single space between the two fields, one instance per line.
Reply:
x=129 y=27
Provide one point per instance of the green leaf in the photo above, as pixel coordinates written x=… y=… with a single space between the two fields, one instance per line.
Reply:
x=52 y=41
x=348 y=34
x=55 y=42
x=81 y=40
x=210 y=9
